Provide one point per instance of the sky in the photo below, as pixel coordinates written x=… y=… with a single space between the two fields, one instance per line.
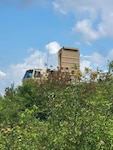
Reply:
x=32 y=32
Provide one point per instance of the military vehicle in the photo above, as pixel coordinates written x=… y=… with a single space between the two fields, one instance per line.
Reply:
x=67 y=58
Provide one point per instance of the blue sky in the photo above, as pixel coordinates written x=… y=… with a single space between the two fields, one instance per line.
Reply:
x=31 y=30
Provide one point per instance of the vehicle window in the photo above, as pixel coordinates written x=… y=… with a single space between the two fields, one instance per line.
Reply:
x=28 y=74
x=37 y=74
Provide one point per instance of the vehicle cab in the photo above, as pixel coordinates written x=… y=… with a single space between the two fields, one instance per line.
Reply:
x=37 y=74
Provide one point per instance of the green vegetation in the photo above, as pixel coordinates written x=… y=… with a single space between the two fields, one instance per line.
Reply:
x=58 y=116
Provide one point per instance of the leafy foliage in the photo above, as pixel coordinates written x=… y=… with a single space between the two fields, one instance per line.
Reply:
x=58 y=116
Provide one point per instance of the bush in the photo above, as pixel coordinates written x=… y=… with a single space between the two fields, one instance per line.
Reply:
x=52 y=116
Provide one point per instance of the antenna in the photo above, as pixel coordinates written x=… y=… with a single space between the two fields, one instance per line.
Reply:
x=47 y=59
x=39 y=62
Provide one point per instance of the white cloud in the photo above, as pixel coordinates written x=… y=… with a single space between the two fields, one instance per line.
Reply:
x=53 y=47
x=85 y=27
x=93 y=19
x=35 y=60
x=84 y=63
x=57 y=7
x=96 y=60
x=2 y=74
x=77 y=8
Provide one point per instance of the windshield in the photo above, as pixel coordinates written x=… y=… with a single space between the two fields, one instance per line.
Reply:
x=28 y=74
